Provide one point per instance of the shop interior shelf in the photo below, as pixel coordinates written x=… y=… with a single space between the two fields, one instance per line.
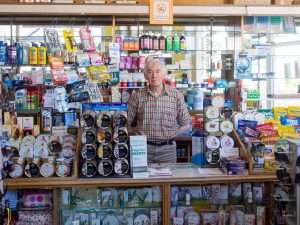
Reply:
x=109 y=208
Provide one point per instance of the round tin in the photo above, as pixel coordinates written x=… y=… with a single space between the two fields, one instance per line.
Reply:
x=88 y=136
x=212 y=126
x=104 y=135
x=105 y=151
x=47 y=169
x=212 y=157
x=104 y=119
x=120 y=119
x=89 y=151
x=62 y=169
x=89 y=168
x=120 y=135
x=105 y=167
x=32 y=168
x=111 y=220
x=212 y=142
x=226 y=126
x=226 y=112
x=88 y=118
x=227 y=142
x=211 y=112
x=121 y=166
x=218 y=101
x=26 y=151
x=17 y=168
x=121 y=151
x=141 y=219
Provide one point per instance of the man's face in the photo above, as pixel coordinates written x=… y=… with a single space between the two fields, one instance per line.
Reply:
x=155 y=75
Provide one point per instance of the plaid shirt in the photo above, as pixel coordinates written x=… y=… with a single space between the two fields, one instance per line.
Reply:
x=159 y=118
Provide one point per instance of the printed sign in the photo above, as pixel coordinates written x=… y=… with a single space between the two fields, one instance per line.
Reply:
x=161 y=11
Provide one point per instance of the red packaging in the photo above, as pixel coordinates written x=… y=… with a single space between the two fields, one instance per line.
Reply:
x=269 y=133
x=265 y=126
x=251 y=139
x=251 y=132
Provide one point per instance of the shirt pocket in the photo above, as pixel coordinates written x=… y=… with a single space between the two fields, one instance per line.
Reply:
x=169 y=119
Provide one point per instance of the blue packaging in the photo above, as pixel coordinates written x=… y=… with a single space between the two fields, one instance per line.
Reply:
x=2 y=53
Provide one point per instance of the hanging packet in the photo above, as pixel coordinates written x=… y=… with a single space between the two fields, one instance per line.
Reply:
x=61 y=100
x=87 y=40
x=96 y=59
x=70 y=40
x=83 y=59
x=52 y=39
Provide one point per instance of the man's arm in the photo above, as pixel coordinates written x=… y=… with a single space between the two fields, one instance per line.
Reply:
x=183 y=116
x=132 y=113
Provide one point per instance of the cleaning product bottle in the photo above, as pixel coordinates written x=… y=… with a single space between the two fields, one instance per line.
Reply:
x=33 y=54
x=25 y=53
x=176 y=43
x=20 y=53
x=182 y=42
x=41 y=56
x=169 y=43
x=198 y=98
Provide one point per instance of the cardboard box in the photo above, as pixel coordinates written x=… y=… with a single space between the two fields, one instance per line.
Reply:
x=138 y=153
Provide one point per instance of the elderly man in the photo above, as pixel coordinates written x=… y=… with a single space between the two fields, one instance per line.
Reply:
x=159 y=112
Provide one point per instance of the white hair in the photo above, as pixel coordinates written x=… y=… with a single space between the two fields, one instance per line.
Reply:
x=150 y=64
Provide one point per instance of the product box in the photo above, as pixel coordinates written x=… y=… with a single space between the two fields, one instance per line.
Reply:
x=138 y=151
x=261 y=215
x=234 y=166
x=28 y=123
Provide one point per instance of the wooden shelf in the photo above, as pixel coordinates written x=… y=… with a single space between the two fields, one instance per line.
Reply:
x=53 y=182
x=143 y=10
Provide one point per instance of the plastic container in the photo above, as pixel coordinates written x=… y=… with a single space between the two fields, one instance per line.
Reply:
x=33 y=55
x=42 y=54
x=198 y=98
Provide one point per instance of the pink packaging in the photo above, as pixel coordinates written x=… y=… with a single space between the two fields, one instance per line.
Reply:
x=96 y=59
x=36 y=217
x=119 y=40
x=128 y=62
x=135 y=62
x=122 y=62
x=142 y=62
x=33 y=199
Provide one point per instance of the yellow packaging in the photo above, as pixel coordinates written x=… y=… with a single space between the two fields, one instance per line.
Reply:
x=271 y=165
x=279 y=111
x=292 y=135
x=42 y=54
x=285 y=129
x=70 y=40
x=33 y=54
x=99 y=73
x=270 y=140
x=293 y=111
x=276 y=123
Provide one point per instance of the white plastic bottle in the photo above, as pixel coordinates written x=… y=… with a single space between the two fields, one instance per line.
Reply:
x=198 y=98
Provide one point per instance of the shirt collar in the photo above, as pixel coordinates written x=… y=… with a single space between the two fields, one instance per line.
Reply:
x=166 y=90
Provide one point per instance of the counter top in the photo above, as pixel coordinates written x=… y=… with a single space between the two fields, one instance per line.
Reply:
x=184 y=173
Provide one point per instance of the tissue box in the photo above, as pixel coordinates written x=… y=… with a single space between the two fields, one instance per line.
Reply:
x=36 y=217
